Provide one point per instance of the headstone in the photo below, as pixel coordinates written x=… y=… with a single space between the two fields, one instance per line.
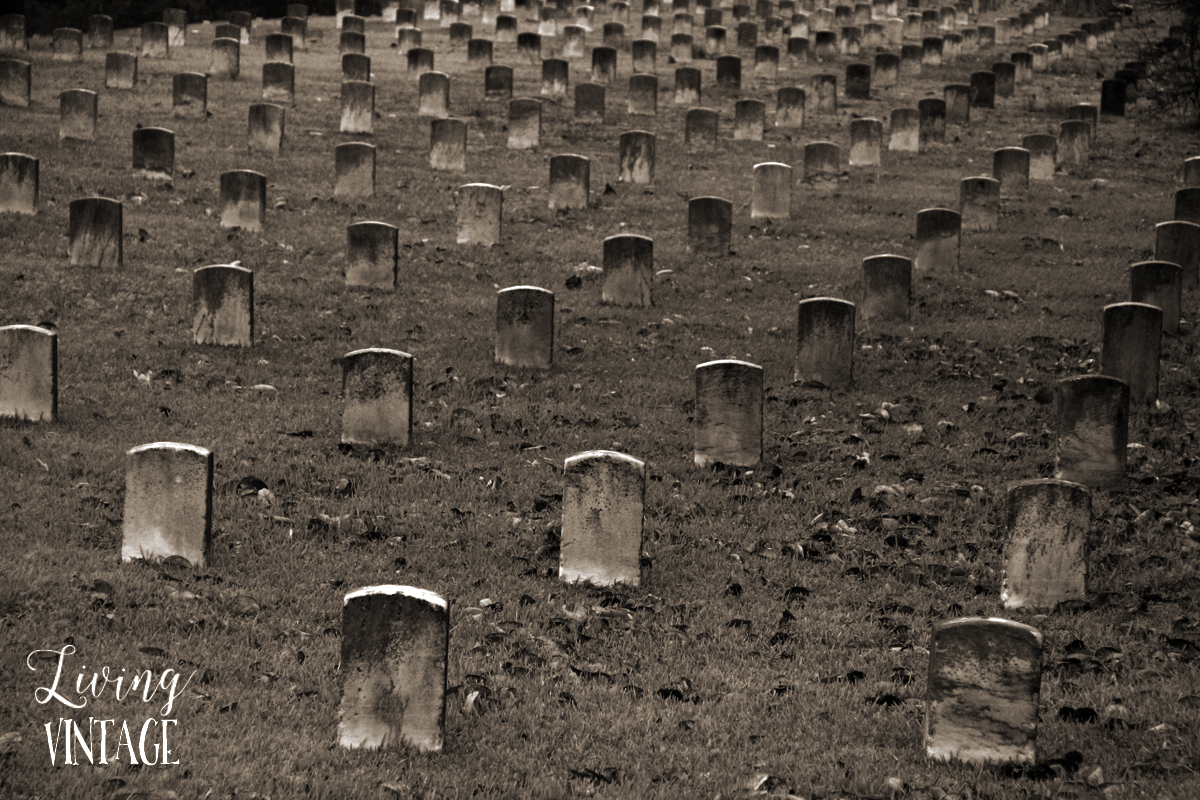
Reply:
x=377 y=385
x=15 y=83
x=555 y=78
x=297 y=28
x=825 y=342
x=279 y=82
x=887 y=288
x=603 y=500
x=480 y=209
x=433 y=91
x=372 y=255
x=448 y=145
x=1022 y=68
x=729 y=414
x=911 y=58
x=981 y=703
x=407 y=40
x=1006 y=78
x=1112 y=98
x=643 y=95
x=1074 y=143
x=480 y=51
x=645 y=56
x=189 y=95
x=939 y=232
x=747 y=35
x=932 y=122
x=604 y=65
x=957 y=98
x=1045 y=556
x=1131 y=348
x=905 y=130
x=700 y=128
x=932 y=49
x=77 y=115
x=749 y=120
x=153 y=153
x=858 y=81
x=766 y=61
x=628 y=270
x=789 y=107
x=525 y=327
x=223 y=306
x=100 y=32
x=1178 y=242
x=356 y=67
x=1010 y=166
x=95 y=233
x=687 y=86
x=278 y=47
x=589 y=102
x=822 y=165
x=825 y=89
x=28 y=373
x=67 y=44
x=506 y=29
x=18 y=183
x=866 y=142
x=420 y=60
x=266 y=128
x=772 y=194
x=156 y=38
x=358 y=107
x=168 y=503
x=887 y=70
x=979 y=203
x=710 y=224
x=354 y=170
x=243 y=199
x=529 y=48
x=1093 y=430
x=351 y=42
x=498 y=83
x=460 y=33
x=1043 y=155
x=1158 y=283
x=570 y=177
x=1187 y=204
x=714 y=41
x=799 y=52
x=395 y=644
x=225 y=59
x=614 y=35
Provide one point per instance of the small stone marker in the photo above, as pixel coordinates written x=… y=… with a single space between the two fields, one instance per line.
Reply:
x=224 y=59
x=555 y=78
x=372 y=255
x=729 y=72
x=957 y=97
x=628 y=270
x=866 y=142
x=710 y=224
x=479 y=51
x=265 y=128
x=1074 y=143
x=358 y=107
x=433 y=90
x=223 y=306
x=1159 y=283
x=1093 y=430
x=168 y=503
x=15 y=86
x=700 y=128
x=645 y=57
x=687 y=86
x=589 y=102
x=932 y=51
x=1045 y=556
x=799 y=52
x=603 y=499
x=981 y=704
x=377 y=385
x=822 y=165
x=498 y=82
x=772 y=193
x=77 y=115
x=887 y=288
x=939 y=232
x=932 y=122
x=419 y=60
x=395 y=647
x=1043 y=155
x=858 y=81
x=120 y=70
x=95 y=233
x=574 y=41
x=887 y=70
x=1006 y=78
x=506 y=29
x=524 y=123
x=636 y=163
x=604 y=65
x=905 y=130
x=279 y=47
x=1086 y=113
x=729 y=414
x=448 y=145
x=153 y=153
x=825 y=342
x=983 y=89
x=1132 y=347
x=189 y=95
x=643 y=95
x=1010 y=166
x=1022 y=68
x=789 y=107
x=67 y=44
x=979 y=203
x=28 y=373
x=529 y=48
x=156 y=40
x=279 y=82
x=1178 y=242
x=714 y=41
x=825 y=89
x=1187 y=204
x=766 y=61
x=749 y=120
x=570 y=179
x=480 y=209
x=243 y=199
x=911 y=56
x=176 y=20
x=100 y=32
x=525 y=327
x=354 y=170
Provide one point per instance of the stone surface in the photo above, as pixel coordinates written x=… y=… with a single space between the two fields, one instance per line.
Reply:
x=168 y=503
x=377 y=386
x=1045 y=556
x=1092 y=413
x=525 y=327
x=223 y=305
x=28 y=373
x=729 y=414
x=603 y=499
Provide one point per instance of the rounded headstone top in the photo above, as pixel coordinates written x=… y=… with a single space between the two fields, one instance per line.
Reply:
x=1016 y=485
x=727 y=362
x=606 y=455
x=970 y=622
x=237 y=267
x=424 y=595
x=521 y=288
x=30 y=328
x=174 y=446
x=377 y=351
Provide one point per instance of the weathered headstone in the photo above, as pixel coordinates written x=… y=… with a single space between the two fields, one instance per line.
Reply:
x=603 y=499
x=1159 y=283
x=372 y=255
x=95 y=233
x=858 y=81
x=498 y=82
x=979 y=203
x=749 y=120
x=822 y=165
x=1178 y=242
x=153 y=153
x=714 y=41
x=448 y=145
x=555 y=78
x=408 y=40
x=480 y=210
x=297 y=28
x=643 y=95
x=279 y=82
x=352 y=42
x=265 y=128
x=77 y=115
x=354 y=170
x=15 y=83
x=789 y=107
x=700 y=128
x=636 y=161
x=932 y=122
x=377 y=386
x=589 y=102
x=223 y=306
x=100 y=32
x=772 y=193
x=983 y=89
x=529 y=48
x=825 y=89
x=156 y=40
x=1093 y=430
x=120 y=70
x=244 y=20
x=825 y=342
x=887 y=288
x=628 y=270
x=957 y=97
x=278 y=47
x=729 y=414
x=981 y=704
x=1010 y=166
x=799 y=52
x=939 y=232
x=604 y=65
x=1074 y=143
x=905 y=130
x=28 y=373
x=479 y=51
x=67 y=44
x=1191 y=172
x=525 y=327
x=1131 y=348
x=710 y=225
x=189 y=95
x=766 y=61
x=395 y=647
x=932 y=51
x=911 y=60
x=1045 y=556
x=243 y=199
x=687 y=86
x=433 y=91
x=570 y=177
x=1043 y=155
x=645 y=57
x=419 y=60
x=866 y=142
x=168 y=503
x=358 y=107
x=224 y=59
x=887 y=70
x=356 y=67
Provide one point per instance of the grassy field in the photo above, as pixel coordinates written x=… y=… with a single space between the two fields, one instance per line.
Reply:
x=779 y=641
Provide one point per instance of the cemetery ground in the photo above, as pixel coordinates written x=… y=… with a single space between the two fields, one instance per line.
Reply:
x=778 y=640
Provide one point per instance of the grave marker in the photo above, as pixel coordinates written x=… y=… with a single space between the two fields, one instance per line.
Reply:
x=570 y=178
x=372 y=255
x=825 y=342
x=156 y=40
x=1132 y=347
x=729 y=414
x=766 y=61
x=932 y=122
x=858 y=81
x=529 y=48
x=700 y=128
x=95 y=233
x=153 y=153
x=1191 y=172
x=265 y=128
x=480 y=209
x=358 y=107
x=1187 y=204
x=407 y=40
x=1045 y=556
x=887 y=288
x=555 y=78
x=1092 y=413
x=682 y=45
x=772 y=194
x=1113 y=98
x=168 y=503
x=825 y=88
x=279 y=82
x=589 y=102
x=645 y=56
x=525 y=327
x=352 y=42
x=636 y=161
x=1043 y=155
x=77 y=115
x=433 y=91
x=905 y=130
x=297 y=28
x=866 y=142
x=749 y=121
x=643 y=95
x=28 y=373
x=789 y=107
x=18 y=183
x=983 y=89
x=279 y=47
x=957 y=98
x=15 y=83
x=100 y=32
x=419 y=60
x=939 y=232
x=887 y=70
x=67 y=44
x=687 y=86
x=480 y=51
x=243 y=199
x=603 y=498
x=243 y=20
x=356 y=67
x=448 y=145
x=354 y=170
x=1158 y=283
x=710 y=225
x=377 y=385
x=1074 y=143
x=120 y=70
x=223 y=306
x=604 y=65
x=498 y=82
x=628 y=270
x=822 y=165
x=224 y=59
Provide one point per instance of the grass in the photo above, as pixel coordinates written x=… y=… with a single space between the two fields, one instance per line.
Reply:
x=783 y=625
